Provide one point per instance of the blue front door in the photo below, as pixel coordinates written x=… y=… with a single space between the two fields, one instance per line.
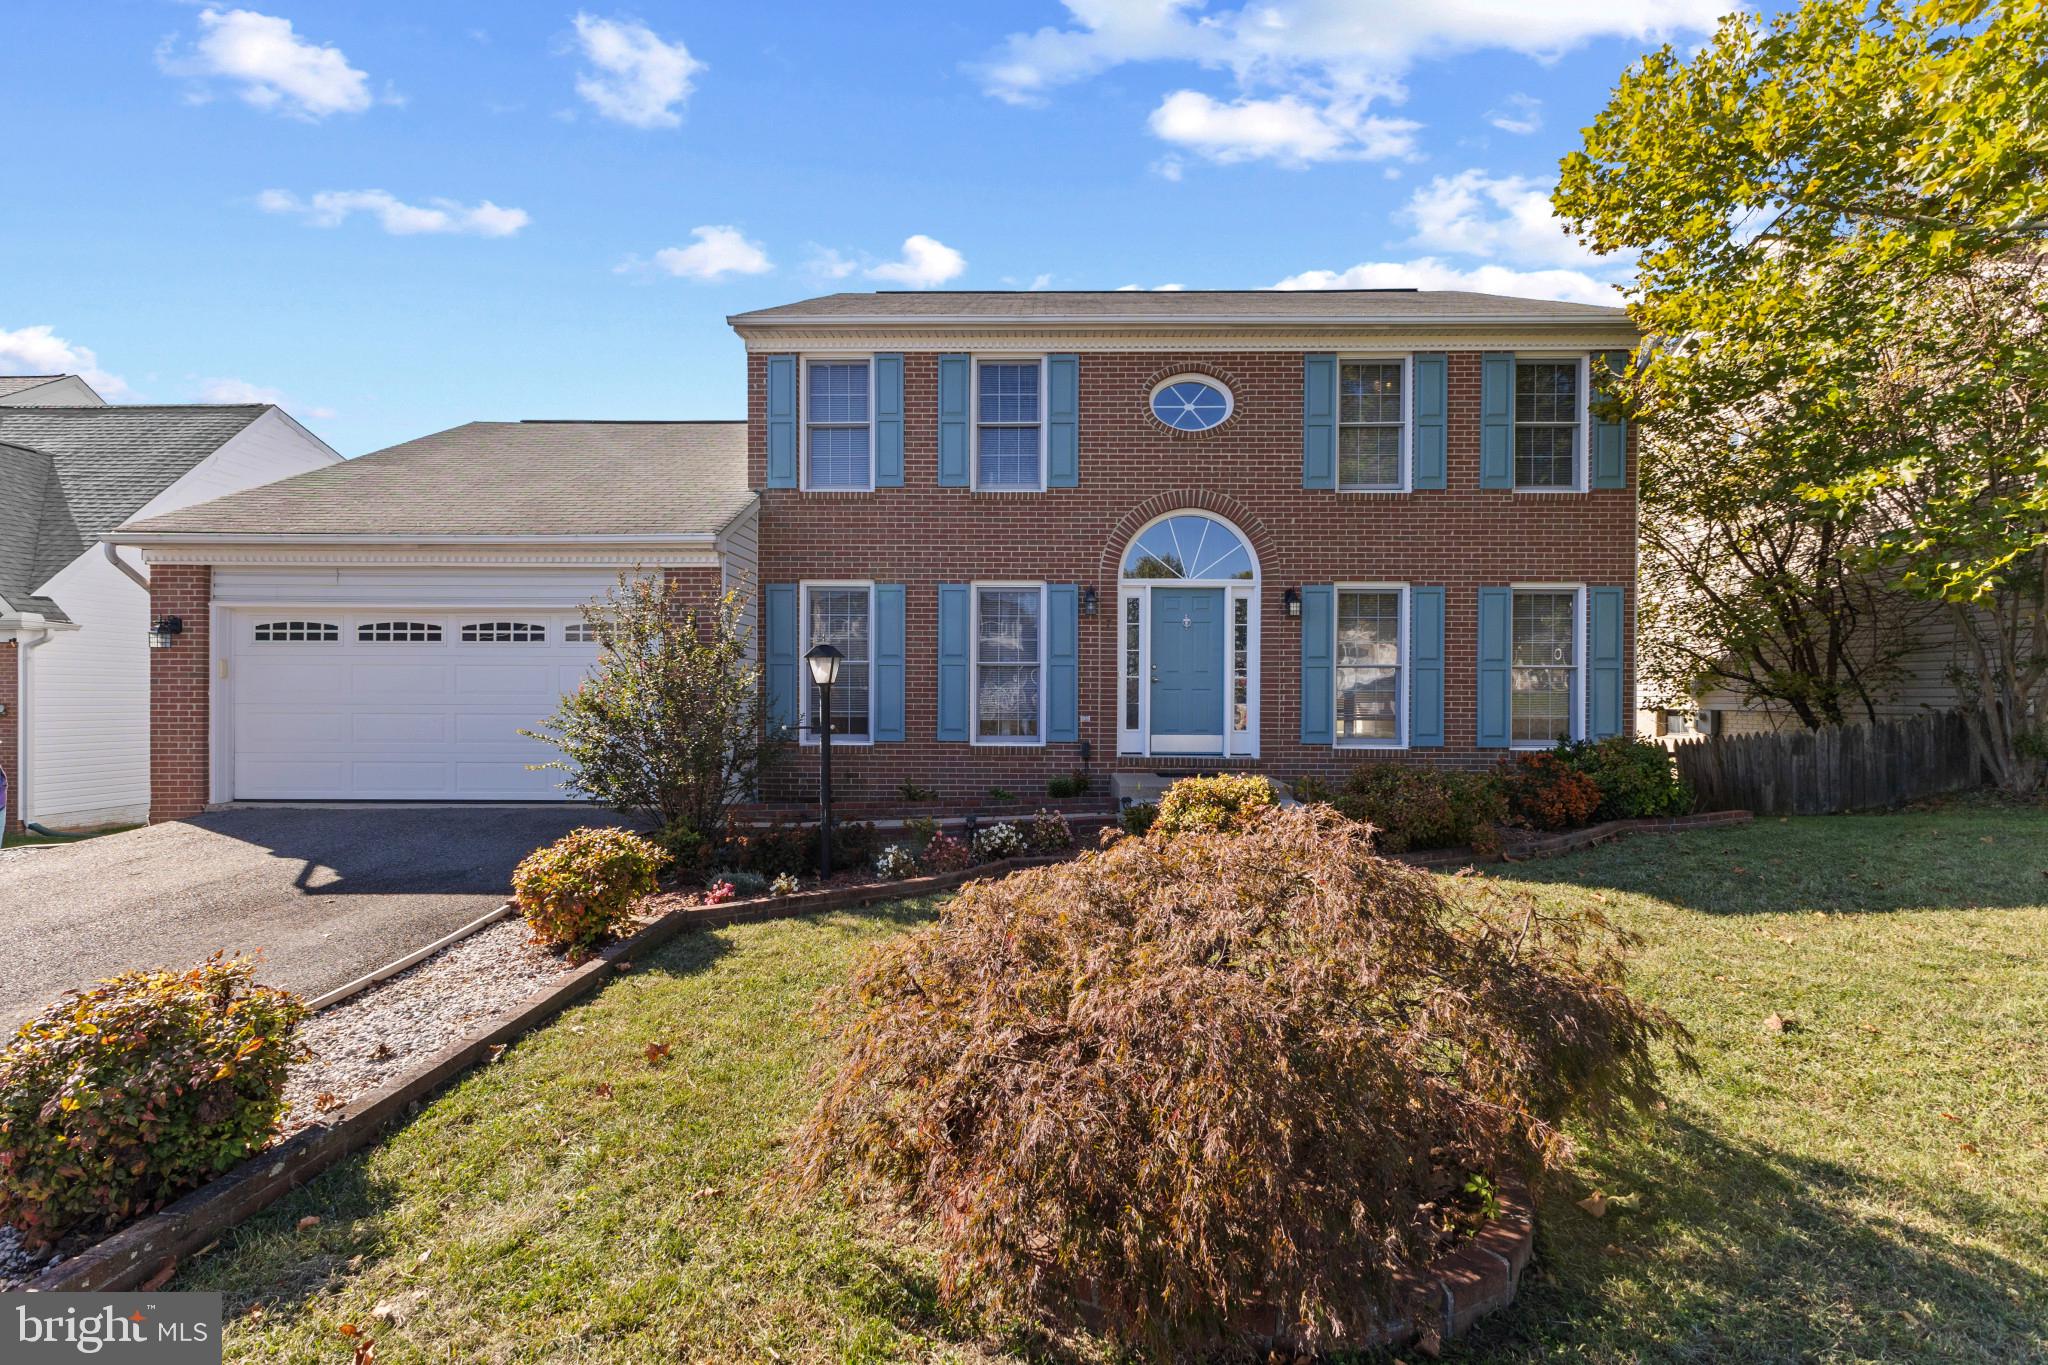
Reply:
x=1187 y=670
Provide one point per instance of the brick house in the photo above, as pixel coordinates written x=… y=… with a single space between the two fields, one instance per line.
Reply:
x=1130 y=534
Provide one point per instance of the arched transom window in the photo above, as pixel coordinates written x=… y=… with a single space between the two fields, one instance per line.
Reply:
x=1189 y=546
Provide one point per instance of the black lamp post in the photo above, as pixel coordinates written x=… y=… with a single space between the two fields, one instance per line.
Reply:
x=824 y=665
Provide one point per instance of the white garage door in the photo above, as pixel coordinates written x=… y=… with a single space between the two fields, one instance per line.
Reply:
x=399 y=705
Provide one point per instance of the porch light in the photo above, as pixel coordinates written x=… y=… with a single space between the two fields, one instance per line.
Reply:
x=165 y=632
x=824 y=661
x=1087 y=601
x=1292 y=601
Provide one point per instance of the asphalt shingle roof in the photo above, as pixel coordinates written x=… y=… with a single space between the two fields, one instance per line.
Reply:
x=71 y=474
x=15 y=383
x=502 y=478
x=1317 y=306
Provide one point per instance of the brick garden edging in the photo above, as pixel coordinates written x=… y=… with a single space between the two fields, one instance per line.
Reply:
x=152 y=1246
x=1520 y=845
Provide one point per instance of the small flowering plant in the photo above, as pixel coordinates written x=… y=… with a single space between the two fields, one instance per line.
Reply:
x=718 y=893
x=998 y=842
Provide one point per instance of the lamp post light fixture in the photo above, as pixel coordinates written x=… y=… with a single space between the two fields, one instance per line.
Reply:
x=165 y=632
x=1292 y=601
x=824 y=661
x=1087 y=601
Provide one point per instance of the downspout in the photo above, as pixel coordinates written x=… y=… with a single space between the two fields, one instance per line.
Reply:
x=114 y=557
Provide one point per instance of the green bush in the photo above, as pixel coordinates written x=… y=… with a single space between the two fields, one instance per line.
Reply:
x=1138 y=818
x=912 y=791
x=685 y=846
x=1206 y=804
x=745 y=884
x=1183 y=1077
x=1073 y=784
x=1638 y=778
x=1543 y=792
x=584 y=885
x=126 y=1095
x=1415 y=807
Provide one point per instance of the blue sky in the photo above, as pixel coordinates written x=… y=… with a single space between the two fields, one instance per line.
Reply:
x=396 y=218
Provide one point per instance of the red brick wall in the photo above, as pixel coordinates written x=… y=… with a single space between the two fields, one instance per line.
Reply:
x=178 y=683
x=1132 y=469
x=10 y=729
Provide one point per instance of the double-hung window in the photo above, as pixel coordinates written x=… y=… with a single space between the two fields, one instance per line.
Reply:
x=1372 y=424
x=1543 y=687
x=1009 y=663
x=838 y=425
x=1009 y=424
x=1369 y=665
x=840 y=615
x=1549 y=422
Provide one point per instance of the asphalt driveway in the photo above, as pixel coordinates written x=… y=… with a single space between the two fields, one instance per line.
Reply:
x=325 y=894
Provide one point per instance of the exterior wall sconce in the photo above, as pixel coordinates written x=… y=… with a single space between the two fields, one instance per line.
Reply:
x=165 y=632
x=1292 y=601
x=1087 y=601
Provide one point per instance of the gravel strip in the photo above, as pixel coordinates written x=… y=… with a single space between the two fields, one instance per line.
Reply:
x=368 y=1040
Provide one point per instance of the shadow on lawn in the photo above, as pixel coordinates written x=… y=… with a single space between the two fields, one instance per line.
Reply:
x=1855 y=864
x=1732 y=1252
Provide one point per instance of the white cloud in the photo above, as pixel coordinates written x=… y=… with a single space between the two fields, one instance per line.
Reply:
x=1427 y=272
x=1517 y=114
x=1504 y=217
x=830 y=264
x=242 y=391
x=329 y=208
x=635 y=77
x=926 y=261
x=275 y=67
x=39 y=350
x=1289 y=130
x=719 y=251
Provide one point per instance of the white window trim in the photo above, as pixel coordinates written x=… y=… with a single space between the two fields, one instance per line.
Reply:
x=974 y=482
x=805 y=734
x=803 y=420
x=974 y=735
x=1196 y=377
x=1406 y=360
x=1402 y=682
x=1580 y=625
x=1582 y=447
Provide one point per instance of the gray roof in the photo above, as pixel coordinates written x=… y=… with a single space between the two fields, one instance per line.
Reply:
x=71 y=474
x=500 y=479
x=1324 y=307
x=15 y=383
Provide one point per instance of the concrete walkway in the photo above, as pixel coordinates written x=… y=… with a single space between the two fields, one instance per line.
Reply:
x=326 y=894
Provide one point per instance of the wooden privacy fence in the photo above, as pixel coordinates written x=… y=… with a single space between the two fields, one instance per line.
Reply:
x=1841 y=768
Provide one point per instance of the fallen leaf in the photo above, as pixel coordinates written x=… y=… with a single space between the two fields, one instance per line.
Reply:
x=1776 y=1023
x=1868 y=1028
x=708 y=1192
x=382 y=1052
x=325 y=1101
x=1950 y=1117
x=604 y=1090
x=497 y=1051
x=1969 y=1147
x=161 y=1278
x=311 y=1220
x=622 y=965
x=1595 y=1204
x=348 y=1329
x=1987 y=839
x=422 y=1257
x=657 y=1053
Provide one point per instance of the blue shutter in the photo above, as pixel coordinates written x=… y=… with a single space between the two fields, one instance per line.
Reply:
x=1496 y=420
x=1319 y=421
x=888 y=421
x=1062 y=663
x=1606 y=646
x=1318 y=642
x=953 y=630
x=781 y=628
x=1062 y=421
x=1431 y=427
x=1426 y=668
x=1496 y=612
x=956 y=378
x=782 y=421
x=888 y=695
x=1610 y=434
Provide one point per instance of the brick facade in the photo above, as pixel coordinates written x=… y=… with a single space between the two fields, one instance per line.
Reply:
x=179 y=682
x=1132 y=469
x=10 y=728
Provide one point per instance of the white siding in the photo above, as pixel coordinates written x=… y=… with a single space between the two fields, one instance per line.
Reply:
x=739 y=557
x=410 y=586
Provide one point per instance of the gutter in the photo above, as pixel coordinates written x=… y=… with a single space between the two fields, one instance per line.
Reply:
x=692 y=538
x=738 y=321
x=114 y=558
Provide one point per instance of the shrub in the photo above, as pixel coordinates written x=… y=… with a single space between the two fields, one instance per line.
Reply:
x=1637 y=778
x=1048 y=832
x=742 y=882
x=896 y=862
x=1543 y=793
x=784 y=885
x=998 y=842
x=1138 y=818
x=718 y=893
x=1180 y=1077
x=1073 y=784
x=773 y=851
x=1206 y=804
x=128 y=1094
x=920 y=830
x=945 y=854
x=583 y=885
x=1414 y=807
x=684 y=845
x=1001 y=796
x=911 y=791
x=853 y=845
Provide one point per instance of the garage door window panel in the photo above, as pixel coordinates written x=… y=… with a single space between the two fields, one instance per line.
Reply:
x=399 y=633
x=297 y=633
x=504 y=633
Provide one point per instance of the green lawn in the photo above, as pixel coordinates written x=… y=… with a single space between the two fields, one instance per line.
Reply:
x=1809 y=1196
x=21 y=838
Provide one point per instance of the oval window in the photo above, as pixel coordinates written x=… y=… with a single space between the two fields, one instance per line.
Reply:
x=1191 y=402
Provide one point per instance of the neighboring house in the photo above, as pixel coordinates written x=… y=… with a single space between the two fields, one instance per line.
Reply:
x=74 y=674
x=1133 y=532
x=47 y=391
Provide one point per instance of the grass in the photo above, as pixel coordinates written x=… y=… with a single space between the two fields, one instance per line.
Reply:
x=1865 y=1185
x=24 y=837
